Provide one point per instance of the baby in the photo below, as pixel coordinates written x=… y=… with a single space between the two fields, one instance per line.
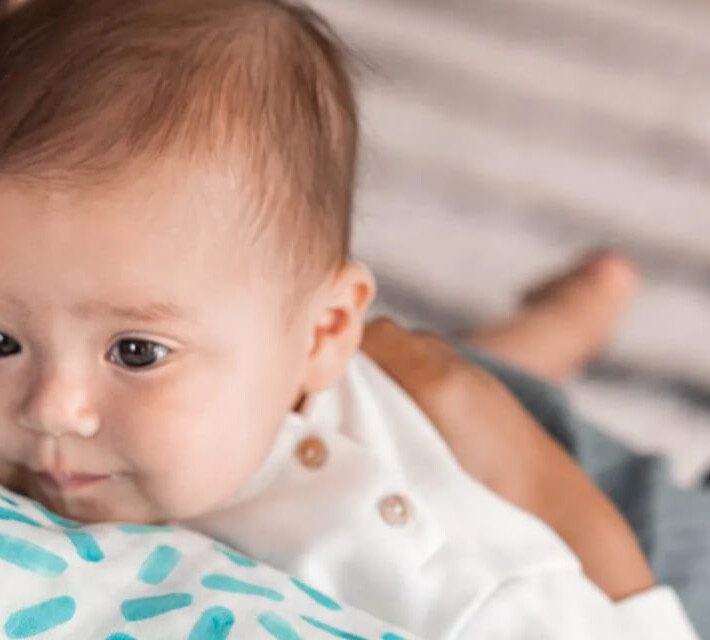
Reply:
x=180 y=322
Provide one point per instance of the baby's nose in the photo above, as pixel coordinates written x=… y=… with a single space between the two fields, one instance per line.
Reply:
x=58 y=405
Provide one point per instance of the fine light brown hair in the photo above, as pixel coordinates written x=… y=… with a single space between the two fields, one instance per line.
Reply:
x=258 y=88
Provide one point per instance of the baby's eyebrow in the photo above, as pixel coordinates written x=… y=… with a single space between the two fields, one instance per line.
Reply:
x=150 y=312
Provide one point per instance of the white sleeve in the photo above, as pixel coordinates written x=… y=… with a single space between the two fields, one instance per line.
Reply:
x=657 y=613
x=562 y=605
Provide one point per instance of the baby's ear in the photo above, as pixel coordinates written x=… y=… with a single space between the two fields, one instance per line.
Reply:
x=339 y=322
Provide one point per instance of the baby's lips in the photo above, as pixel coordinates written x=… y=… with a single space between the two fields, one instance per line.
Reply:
x=67 y=481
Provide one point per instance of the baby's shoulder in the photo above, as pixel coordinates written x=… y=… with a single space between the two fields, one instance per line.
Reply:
x=473 y=518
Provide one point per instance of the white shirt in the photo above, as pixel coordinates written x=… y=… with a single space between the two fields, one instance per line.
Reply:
x=362 y=498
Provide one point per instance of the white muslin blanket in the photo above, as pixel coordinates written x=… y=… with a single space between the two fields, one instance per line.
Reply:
x=132 y=582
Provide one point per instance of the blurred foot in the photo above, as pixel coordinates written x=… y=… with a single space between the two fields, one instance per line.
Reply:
x=564 y=323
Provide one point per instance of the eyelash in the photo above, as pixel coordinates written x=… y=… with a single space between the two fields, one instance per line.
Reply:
x=114 y=355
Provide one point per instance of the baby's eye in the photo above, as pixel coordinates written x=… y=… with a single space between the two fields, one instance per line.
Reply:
x=136 y=353
x=8 y=346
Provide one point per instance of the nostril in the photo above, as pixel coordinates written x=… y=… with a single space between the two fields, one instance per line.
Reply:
x=37 y=425
x=25 y=422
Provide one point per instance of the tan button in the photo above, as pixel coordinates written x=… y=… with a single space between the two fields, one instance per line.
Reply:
x=395 y=510
x=312 y=452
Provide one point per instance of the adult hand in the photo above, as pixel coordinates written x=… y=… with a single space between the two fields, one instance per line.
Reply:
x=497 y=442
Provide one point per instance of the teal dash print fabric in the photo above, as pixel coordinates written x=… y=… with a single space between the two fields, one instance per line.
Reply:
x=60 y=580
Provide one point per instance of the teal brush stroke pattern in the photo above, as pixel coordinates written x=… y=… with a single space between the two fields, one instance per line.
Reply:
x=215 y=623
x=9 y=514
x=32 y=557
x=159 y=564
x=143 y=528
x=235 y=557
x=278 y=627
x=316 y=595
x=226 y=583
x=38 y=618
x=143 y=608
x=333 y=631
x=86 y=546
x=154 y=566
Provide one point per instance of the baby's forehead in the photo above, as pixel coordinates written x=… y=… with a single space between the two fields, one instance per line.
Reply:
x=154 y=219
x=174 y=237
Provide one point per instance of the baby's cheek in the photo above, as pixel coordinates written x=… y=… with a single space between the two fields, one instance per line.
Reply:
x=189 y=488
x=158 y=422
x=193 y=445
x=187 y=467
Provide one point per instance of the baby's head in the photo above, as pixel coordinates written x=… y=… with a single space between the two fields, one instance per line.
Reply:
x=175 y=189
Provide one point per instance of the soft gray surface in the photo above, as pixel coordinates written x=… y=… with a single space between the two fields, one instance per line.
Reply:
x=504 y=137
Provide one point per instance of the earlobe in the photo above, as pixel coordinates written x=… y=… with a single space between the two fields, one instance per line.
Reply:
x=339 y=321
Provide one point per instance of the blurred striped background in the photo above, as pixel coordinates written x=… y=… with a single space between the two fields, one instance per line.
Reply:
x=502 y=138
